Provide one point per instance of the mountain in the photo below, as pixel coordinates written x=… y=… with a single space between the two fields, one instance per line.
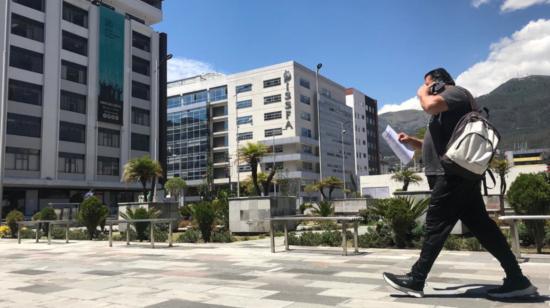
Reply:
x=519 y=108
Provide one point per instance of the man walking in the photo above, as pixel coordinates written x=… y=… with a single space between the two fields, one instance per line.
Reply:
x=453 y=197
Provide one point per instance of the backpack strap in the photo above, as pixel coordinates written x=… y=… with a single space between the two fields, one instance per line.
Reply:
x=492 y=176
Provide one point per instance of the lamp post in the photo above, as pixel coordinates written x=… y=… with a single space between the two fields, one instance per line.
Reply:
x=237 y=139
x=319 y=121
x=342 y=132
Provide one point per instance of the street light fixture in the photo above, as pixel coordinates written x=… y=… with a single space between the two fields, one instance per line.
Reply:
x=319 y=121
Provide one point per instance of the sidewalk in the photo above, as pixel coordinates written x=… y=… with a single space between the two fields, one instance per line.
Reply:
x=242 y=274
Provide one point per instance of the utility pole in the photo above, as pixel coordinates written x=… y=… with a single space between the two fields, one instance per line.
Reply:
x=319 y=122
x=342 y=132
x=237 y=139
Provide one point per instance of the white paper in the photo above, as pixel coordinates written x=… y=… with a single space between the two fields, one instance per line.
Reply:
x=403 y=153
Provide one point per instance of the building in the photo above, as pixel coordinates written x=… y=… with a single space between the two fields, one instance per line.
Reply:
x=209 y=115
x=81 y=92
x=373 y=136
x=526 y=157
x=356 y=100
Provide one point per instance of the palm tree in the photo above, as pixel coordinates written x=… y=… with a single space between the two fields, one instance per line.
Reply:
x=251 y=153
x=142 y=169
x=406 y=176
x=323 y=209
x=331 y=183
x=501 y=167
x=176 y=186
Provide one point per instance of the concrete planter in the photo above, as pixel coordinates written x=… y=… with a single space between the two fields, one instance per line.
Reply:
x=247 y=215
x=349 y=206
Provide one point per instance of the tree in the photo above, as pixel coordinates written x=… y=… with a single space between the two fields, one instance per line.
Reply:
x=252 y=153
x=11 y=220
x=142 y=169
x=501 y=167
x=176 y=186
x=406 y=176
x=331 y=183
x=140 y=213
x=204 y=214
x=323 y=209
x=91 y=213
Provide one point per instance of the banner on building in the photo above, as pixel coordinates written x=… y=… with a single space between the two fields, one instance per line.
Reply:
x=111 y=65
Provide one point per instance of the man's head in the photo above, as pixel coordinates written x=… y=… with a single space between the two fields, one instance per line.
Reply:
x=438 y=75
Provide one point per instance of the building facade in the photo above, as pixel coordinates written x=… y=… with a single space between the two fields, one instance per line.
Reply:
x=373 y=144
x=79 y=96
x=212 y=115
x=356 y=100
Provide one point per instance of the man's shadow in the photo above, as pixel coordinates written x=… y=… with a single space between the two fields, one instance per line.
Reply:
x=477 y=291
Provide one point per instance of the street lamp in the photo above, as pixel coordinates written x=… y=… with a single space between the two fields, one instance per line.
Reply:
x=343 y=132
x=237 y=138
x=319 y=121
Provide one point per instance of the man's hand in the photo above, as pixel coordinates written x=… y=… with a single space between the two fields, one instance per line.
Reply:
x=424 y=90
x=411 y=141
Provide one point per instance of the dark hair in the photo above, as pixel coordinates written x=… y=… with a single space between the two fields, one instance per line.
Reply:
x=441 y=75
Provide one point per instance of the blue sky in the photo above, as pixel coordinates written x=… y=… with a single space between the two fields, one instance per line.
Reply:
x=382 y=48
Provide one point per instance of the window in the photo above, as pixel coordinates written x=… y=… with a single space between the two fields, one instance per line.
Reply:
x=273 y=115
x=272 y=82
x=244 y=104
x=305 y=99
x=141 y=66
x=75 y=15
x=244 y=120
x=244 y=168
x=305 y=116
x=243 y=88
x=273 y=132
x=218 y=94
x=141 y=90
x=73 y=102
x=195 y=97
x=24 y=125
x=306 y=132
x=74 y=72
x=27 y=27
x=22 y=159
x=108 y=137
x=326 y=93
x=34 y=4
x=304 y=83
x=307 y=166
x=272 y=99
x=278 y=165
x=140 y=142
x=71 y=163
x=141 y=41
x=72 y=132
x=244 y=136
x=26 y=59
x=107 y=166
x=25 y=92
x=141 y=116
x=174 y=101
x=307 y=149
x=75 y=43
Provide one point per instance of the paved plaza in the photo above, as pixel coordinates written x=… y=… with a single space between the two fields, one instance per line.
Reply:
x=241 y=274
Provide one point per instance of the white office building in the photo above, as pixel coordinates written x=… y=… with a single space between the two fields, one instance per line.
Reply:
x=81 y=87
x=212 y=115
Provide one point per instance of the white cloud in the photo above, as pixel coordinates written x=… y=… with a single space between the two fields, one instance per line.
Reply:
x=526 y=52
x=179 y=68
x=513 y=5
x=478 y=3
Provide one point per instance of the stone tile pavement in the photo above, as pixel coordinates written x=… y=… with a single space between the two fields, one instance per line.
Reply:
x=242 y=274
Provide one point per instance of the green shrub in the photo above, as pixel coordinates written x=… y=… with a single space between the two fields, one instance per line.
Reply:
x=221 y=207
x=11 y=220
x=142 y=228
x=378 y=236
x=204 y=214
x=323 y=208
x=310 y=239
x=525 y=237
x=293 y=239
x=46 y=213
x=122 y=235
x=189 y=236
x=457 y=242
x=91 y=213
x=27 y=233
x=472 y=244
x=304 y=206
x=332 y=238
x=222 y=237
x=529 y=194
x=453 y=242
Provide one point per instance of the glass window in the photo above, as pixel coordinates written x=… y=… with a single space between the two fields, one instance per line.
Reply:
x=306 y=132
x=24 y=125
x=218 y=94
x=27 y=27
x=326 y=92
x=244 y=88
x=75 y=43
x=278 y=165
x=273 y=115
x=272 y=82
x=72 y=132
x=107 y=166
x=34 y=4
x=244 y=104
x=244 y=168
x=26 y=59
x=141 y=66
x=25 y=92
x=141 y=41
x=304 y=83
x=75 y=15
x=245 y=136
x=273 y=132
x=71 y=163
x=140 y=142
x=174 y=101
x=141 y=90
x=272 y=99
x=195 y=97
x=305 y=99
x=74 y=72
x=22 y=159
x=108 y=137
x=73 y=102
x=244 y=120
x=141 y=116
x=305 y=116
x=307 y=149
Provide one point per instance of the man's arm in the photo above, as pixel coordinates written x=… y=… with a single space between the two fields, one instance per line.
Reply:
x=409 y=140
x=432 y=104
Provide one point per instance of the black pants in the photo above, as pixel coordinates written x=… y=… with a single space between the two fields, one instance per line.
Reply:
x=455 y=198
